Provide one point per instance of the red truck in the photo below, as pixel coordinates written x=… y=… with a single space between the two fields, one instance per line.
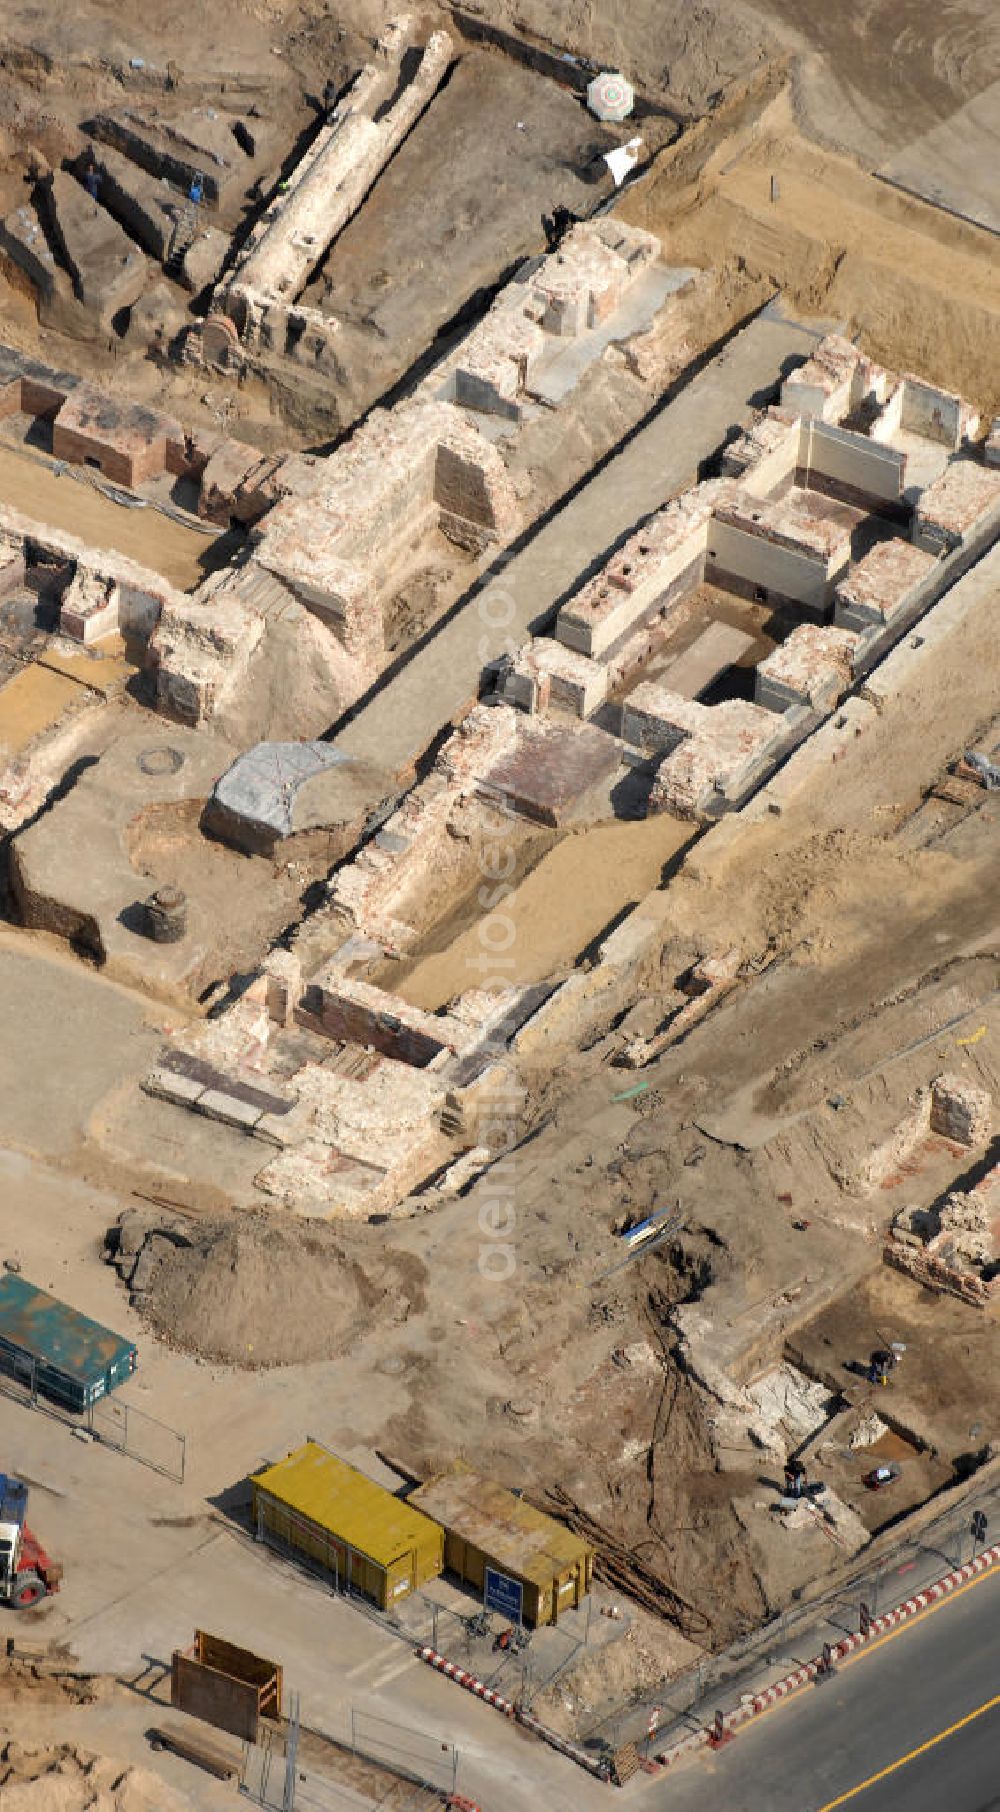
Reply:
x=27 y=1574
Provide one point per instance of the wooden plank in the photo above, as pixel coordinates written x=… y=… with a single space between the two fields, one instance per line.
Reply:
x=214 y=1697
x=216 y=1758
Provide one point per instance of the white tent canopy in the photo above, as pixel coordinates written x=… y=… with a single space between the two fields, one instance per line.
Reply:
x=623 y=159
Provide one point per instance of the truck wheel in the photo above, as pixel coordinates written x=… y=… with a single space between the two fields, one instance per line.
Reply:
x=28 y=1590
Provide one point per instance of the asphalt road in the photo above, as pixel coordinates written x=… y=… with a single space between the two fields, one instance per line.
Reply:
x=912 y=1723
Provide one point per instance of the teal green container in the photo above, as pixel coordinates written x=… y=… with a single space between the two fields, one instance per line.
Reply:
x=70 y=1359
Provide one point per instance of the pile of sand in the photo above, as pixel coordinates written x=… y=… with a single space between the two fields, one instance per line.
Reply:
x=48 y=1682
x=68 y=1779
x=635 y=1660
x=252 y=1290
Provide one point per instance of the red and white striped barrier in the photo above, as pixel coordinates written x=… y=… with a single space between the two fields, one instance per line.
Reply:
x=749 y=1707
x=469 y=1681
x=811 y=1670
x=462 y=1678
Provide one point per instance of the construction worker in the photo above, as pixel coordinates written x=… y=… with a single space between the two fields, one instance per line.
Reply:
x=795 y=1478
x=880 y=1366
x=197 y=189
x=91 y=178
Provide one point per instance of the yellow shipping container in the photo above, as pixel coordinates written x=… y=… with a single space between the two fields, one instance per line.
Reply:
x=485 y=1525
x=332 y=1514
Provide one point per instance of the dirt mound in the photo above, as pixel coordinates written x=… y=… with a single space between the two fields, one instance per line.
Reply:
x=68 y=1779
x=252 y=1290
x=45 y=1682
x=632 y=1662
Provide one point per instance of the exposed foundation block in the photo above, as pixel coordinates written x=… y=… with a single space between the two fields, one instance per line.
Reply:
x=545 y=673
x=579 y=286
x=400 y=475
x=656 y=720
x=961 y=1111
x=358 y=1013
x=935 y=414
x=573 y=290
x=90 y=608
x=652 y=572
x=126 y=441
x=887 y=583
x=823 y=385
x=202 y=649
x=778 y=550
x=727 y=750
x=961 y=508
x=549 y=768
x=812 y=668
x=333 y=178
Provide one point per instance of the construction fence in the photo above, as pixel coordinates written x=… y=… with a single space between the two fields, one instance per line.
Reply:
x=291 y=1769
x=113 y=1421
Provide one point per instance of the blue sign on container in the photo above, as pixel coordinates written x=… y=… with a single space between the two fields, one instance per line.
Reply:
x=503 y=1594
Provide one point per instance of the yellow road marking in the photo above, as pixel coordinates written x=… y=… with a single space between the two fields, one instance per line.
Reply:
x=908 y=1623
x=921 y=1749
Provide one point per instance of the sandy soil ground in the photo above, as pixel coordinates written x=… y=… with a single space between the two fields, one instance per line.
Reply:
x=869 y=77
x=154 y=540
x=584 y=883
x=860 y=933
x=917 y=286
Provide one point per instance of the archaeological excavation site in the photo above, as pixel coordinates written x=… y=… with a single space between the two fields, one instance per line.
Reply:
x=499 y=880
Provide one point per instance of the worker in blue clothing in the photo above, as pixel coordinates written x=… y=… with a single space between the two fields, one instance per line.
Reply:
x=197 y=189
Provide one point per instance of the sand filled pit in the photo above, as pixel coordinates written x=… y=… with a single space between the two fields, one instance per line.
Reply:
x=575 y=892
x=254 y=1291
x=159 y=542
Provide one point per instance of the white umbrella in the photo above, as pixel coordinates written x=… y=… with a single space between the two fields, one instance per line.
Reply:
x=610 y=96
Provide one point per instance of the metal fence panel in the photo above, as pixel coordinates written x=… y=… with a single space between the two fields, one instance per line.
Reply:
x=134 y=1431
x=413 y=1753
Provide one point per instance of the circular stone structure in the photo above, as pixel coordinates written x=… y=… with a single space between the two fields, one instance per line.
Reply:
x=161 y=760
x=610 y=96
x=166 y=915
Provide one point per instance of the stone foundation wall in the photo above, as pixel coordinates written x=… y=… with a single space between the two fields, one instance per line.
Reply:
x=934 y=1274
x=358 y=1013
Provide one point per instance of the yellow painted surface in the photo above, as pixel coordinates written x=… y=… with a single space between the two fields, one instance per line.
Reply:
x=154 y=540
x=106 y=675
x=30 y=702
x=312 y=1484
x=912 y=1754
